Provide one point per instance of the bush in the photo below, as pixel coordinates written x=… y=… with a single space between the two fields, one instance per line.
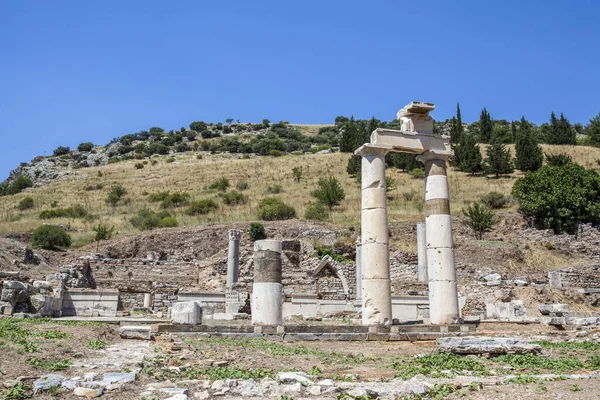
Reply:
x=201 y=207
x=61 y=150
x=26 y=204
x=329 y=192
x=139 y=165
x=221 y=184
x=17 y=185
x=274 y=189
x=257 y=231
x=50 y=237
x=417 y=173
x=86 y=146
x=242 y=185
x=76 y=211
x=234 y=197
x=495 y=200
x=147 y=220
x=274 y=209
x=479 y=218
x=276 y=153
x=167 y=199
x=560 y=197
x=558 y=160
x=297 y=173
x=116 y=193
x=316 y=211
x=354 y=166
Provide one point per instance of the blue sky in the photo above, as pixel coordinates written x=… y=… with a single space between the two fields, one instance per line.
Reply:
x=74 y=71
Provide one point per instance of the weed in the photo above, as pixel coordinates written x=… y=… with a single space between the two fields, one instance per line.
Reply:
x=316 y=371
x=49 y=365
x=221 y=184
x=530 y=361
x=589 y=345
x=524 y=380
x=541 y=389
x=97 y=344
x=32 y=347
x=17 y=392
x=575 y=388
x=433 y=364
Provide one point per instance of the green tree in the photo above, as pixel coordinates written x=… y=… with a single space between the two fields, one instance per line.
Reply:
x=116 y=193
x=593 y=130
x=529 y=155
x=456 y=136
x=103 y=232
x=329 y=192
x=470 y=155
x=479 y=218
x=86 y=146
x=560 y=197
x=50 y=237
x=274 y=209
x=61 y=150
x=297 y=173
x=560 y=131
x=498 y=160
x=354 y=166
x=486 y=126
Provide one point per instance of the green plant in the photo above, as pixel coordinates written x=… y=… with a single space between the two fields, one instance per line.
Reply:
x=25 y=204
x=329 y=192
x=97 y=344
x=274 y=209
x=417 y=173
x=274 y=189
x=479 y=218
x=61 y=150
x=390 y=184
x=558 y=160
x=76 y=211
x=148 y=220
x=233 y=197
x=221 y=184
x=17 y=185
x=433 y=364
x=17 y=392
x=116 y=193
x=201 y=207
x=297 y=173
x=494 y=200
x=241 y=186
x=171 y=160
x=86 y=146
x=316 y=211
x=524 y=380
x=575 y=388
x=315 y=371
x=49 y=365
x=50 y=237
x=257 y=231
x=560 y=197
x=531 y=361
x=139 y=165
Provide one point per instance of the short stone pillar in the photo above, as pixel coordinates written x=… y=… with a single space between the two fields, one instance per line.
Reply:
x=443 y=293
x=233 y=257
x=375 y=263
x=147 y=300
x=267 y=290
x=421 y=253
x=358 y=294
x=186 y=312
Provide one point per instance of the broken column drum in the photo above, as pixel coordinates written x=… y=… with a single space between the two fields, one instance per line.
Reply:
x=233 y=258
x=443 y=293
x=375 y=264
x=267 y=290
x=422 y=253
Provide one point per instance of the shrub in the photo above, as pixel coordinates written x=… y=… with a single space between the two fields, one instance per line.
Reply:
x=558 y=160
x=103 y=232
x=61 y=150
x=86 y=146
x=390 y=184
x=147 y=220
x=160 y=196
x=201 y=207
x=354 y=166
x=560 y=197
x=257 y=231
x=242 y=185
x=76 y=211
x=316 y=211
x=274 y=209
x=26 y=204
x=50 y=237
x=17 y=185
x=234 y=197
x=274 y=189
x=171 y=160
x=116 y=193
x=479 y=218
x=297 y=173
x=417 y=173
x=221 y=184
x=276 y=153
x=329 y=192
x=495 y=200
x=167 y=199
x=139 y=165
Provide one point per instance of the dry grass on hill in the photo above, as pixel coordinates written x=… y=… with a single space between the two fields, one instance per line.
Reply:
x=188 y=174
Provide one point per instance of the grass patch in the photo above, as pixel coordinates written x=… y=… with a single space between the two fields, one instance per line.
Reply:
x=534 y=362
x=588 y=346
x=433 y=365
x=97 y=344
x=524 y=380
x=49 y=365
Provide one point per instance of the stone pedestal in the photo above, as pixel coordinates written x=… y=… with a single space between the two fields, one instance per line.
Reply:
x=422 y=252
x=375 y=264
x=147 y=300
x=233 y=258
x=267 y=290
x=443 y=293
x=186 y=312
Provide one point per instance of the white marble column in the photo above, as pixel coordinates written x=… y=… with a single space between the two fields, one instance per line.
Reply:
x=375 y=263
x=422 y=252
x=443 y=293
x=147 y=300
x=267 y=290
x=233 y=258
x=358 y=270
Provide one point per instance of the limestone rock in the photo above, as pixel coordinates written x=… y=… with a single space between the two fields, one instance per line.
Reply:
x=487 y=345
x=186 y=312
x=293 y=377
x=46 y=382
x=87 y=392
x=136 y=332
x=46 y=285
x=37 y=302
x=554 y=310
x=118 y=377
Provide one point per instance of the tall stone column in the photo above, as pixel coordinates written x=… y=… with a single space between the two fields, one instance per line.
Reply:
x=358 y=270
x=266 y=300
x=443 y=293
x=233 y=258
x=422 y=252
x=375 y=263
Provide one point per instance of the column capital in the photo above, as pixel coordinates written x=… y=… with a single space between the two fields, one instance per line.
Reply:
x=430 y=155
x=368 y=149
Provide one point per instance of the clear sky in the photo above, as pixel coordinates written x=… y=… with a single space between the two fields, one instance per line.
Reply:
x=74 y=71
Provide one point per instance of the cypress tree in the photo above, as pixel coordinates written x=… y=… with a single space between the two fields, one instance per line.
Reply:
x=560 y=131
x=486 y=126
x=513 y=131
x=347 y=140
x=593 y=130
x=470 y=154
x=498 y=160
x=456 y=134
x=529 y=153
